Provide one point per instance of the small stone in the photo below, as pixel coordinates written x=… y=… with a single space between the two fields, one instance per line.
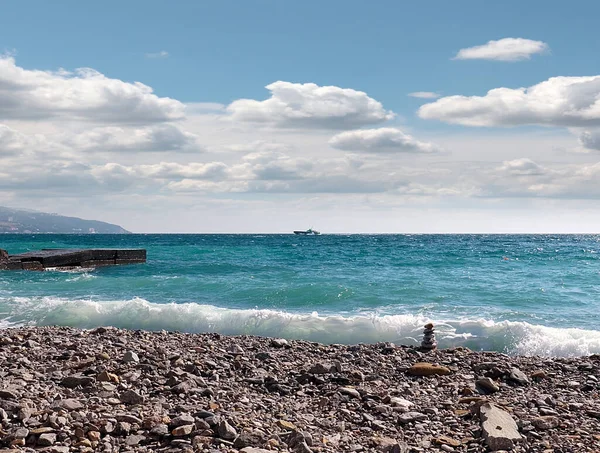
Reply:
x=134 y=440
x=518 y=377
x=235 y=349
x=21 y=433
x=410 y=417
x=226 y=431
x=321 y=368
x=69 y=404
x=184 y=430
x=349 y=391
x=401 y=403
x=47 y=439
x=131 y=356
x=284 y=424
x=94 y=436
x=160 y=430
x=427 y=369
x=105 y=376
x=444 y=440
x=132 y=397
x=279 y=343
x=546 y=422
x=183 y=420
x=539 y=375
x=486 y=386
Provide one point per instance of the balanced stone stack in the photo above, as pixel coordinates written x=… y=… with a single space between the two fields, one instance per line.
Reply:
x=429 y=343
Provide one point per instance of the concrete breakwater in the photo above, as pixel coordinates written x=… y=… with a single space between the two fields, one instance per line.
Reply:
x=69 y=258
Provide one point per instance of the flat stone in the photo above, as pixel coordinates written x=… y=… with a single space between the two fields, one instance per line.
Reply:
x=132 y=397
x=412 y=416
x=134 y=439
x=46 y=439
x=184 y=430
x=499 y=429
x=131 y=356
x=546 y=422
x=69 y=404
x=400 y=403
x=183 y=420
x=349 y=391
x=284 y=424
x=518 y=377
x=428 y=369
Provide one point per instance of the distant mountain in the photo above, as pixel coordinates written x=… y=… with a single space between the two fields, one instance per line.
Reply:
x=25 y=221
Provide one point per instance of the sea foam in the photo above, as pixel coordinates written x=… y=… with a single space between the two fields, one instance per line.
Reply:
x=517 y=338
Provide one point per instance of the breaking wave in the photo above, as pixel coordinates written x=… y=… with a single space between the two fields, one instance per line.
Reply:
x=516 y=338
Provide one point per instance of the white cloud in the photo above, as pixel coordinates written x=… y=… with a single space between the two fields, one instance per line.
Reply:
x=424 y=95
x=85 y=95
x=522 y=167
x=161 y=54
x=13 y=142
x=382 y=140
x=558 y=101
x=155 y=138
x=297 y=105
x=194 y=170
x=590 y=139
x=506 y=49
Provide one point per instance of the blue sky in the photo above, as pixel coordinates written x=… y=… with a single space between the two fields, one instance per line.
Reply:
x=226 y=51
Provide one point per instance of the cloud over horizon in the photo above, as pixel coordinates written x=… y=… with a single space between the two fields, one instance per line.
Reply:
x=382 y=140
x=308 y=105
x=558 y=101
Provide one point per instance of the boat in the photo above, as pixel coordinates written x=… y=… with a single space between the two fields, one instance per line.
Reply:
x=309 y=232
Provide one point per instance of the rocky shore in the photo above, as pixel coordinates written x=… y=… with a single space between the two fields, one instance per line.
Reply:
x=112 y=390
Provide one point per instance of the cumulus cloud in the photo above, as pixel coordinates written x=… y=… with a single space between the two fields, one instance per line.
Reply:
x=155 y=138
x=522 y=167
x=506 y=49
x=81 y=95
x=558 y=101
x=307 y=105
x=424 y=95
x=382 y=140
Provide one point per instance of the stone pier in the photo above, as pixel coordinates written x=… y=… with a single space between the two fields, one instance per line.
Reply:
x=69 y=258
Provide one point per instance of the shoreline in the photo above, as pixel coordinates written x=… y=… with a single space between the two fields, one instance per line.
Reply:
x=106 y=389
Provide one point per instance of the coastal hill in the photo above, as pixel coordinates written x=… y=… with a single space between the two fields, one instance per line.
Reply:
x=25 y=221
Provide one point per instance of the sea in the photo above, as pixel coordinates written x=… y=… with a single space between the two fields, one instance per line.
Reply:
x=517 y=294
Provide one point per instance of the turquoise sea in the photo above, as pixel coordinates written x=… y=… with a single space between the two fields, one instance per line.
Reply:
x=521 y=294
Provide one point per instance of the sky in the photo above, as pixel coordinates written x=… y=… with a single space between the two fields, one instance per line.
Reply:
x=271 y=115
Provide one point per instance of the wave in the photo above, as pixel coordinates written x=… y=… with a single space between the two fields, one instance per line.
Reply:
x=512 y=337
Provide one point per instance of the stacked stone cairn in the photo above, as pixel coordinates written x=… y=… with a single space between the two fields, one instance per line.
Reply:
x=429 y=343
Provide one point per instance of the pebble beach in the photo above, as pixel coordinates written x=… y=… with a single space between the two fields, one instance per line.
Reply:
x=114 y=390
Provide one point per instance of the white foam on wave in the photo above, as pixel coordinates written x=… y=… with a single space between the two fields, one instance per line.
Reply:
x=519 y=338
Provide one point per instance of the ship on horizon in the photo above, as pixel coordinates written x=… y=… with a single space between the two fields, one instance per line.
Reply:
x=309 y=232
